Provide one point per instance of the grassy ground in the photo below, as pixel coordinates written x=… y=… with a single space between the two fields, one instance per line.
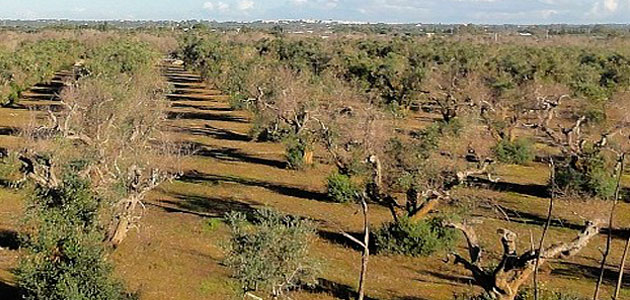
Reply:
x=176 y=252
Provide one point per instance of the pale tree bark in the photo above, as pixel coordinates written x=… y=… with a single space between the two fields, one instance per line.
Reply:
x=552 y=176
x=611 y=218
x=504 y=281
x=37 y=168
x=622 y=267
x=419 y=204
x=125 y=214
x=365 y=246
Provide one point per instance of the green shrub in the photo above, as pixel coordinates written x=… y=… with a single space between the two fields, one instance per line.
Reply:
x=34 y=62
x=270 y=252
x=420 y=238
x=588 y=176
x=122 y=56
x=341 y=188
x=64 y=256
x=295 y=150
x=264 y=131
x=237 y=101
x=518 y=151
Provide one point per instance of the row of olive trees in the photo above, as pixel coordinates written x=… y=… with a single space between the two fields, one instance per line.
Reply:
x=354 y=103
x=90 y=167
x=33 y=62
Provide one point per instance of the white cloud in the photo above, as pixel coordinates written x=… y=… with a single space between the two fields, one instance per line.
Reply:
x=299 y=2
x=548 y=13
x=218 y=6
x=603 y=8
x=245 y=5
x=611 y=5
x=330 y=3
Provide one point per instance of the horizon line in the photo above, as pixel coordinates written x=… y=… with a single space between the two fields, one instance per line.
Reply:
x=341 y=22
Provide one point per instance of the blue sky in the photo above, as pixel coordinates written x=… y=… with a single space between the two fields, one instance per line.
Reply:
x=407 y=11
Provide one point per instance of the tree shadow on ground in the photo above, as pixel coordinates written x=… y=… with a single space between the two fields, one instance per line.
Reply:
x=229 y=154
x=522 y=217
x=211 y=207
x=9 y=292
x=293 y=191
x=536 y=190
x=187 y=85
x=235 y=155
x=9 y=239
x=453 y=280
x=195 y=91
x=204 y=116
x=337 y=290
x=339 y=239
x=214 y=132
x=9 y=130
x=192 y=97
x=184 y=79
x=573 y=270
x=41 y=96
x=201 y=107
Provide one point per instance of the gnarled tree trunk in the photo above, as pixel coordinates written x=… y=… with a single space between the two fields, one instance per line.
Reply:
x=503 y=282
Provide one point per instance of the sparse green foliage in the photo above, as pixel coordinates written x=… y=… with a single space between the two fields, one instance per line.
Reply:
x=518 y=151
x=270 y=252
x=420 y=238
x=296 y=148
x=34 y=62
x=64 y=253
x=121 y=56
x=341 y=188
x=589 y=176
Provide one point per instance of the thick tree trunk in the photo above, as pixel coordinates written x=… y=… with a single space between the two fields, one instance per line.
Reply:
x=513 y=270
x=425 y=209
x=308 y=157
x=120 y=232
x=122 y=222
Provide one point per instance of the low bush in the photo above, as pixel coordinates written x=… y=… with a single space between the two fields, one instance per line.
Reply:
x=64 y=256
x=518 y=151
x=341 y=188
x=122 y=56
x=295 y=152
x=270 y=252
x=588 y=177
x=420 y=238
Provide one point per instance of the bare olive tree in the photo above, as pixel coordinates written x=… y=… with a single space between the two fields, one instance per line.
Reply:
x=112 y=128
x=585 y=144
x=513 y=270
x=284 y=103
x=425 y=167
x=451 y=88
